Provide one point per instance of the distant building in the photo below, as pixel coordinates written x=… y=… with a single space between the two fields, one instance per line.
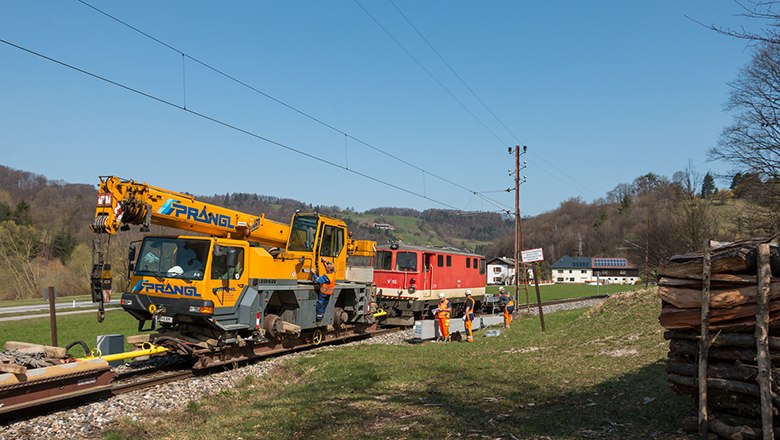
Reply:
x=592 y=270
x=501 y=271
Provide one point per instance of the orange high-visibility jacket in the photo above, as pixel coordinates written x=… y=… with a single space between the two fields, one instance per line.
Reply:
x=327 y=288
x=470 y=304
x=444 y=309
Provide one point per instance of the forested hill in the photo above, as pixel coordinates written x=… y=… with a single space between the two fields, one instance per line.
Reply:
x=45 y=239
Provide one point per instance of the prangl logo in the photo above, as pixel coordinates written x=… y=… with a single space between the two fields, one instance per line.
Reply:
x=167 y=289
x=177 y=209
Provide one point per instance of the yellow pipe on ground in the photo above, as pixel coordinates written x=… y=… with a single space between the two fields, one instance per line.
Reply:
x=147 y=350
x=379 y=313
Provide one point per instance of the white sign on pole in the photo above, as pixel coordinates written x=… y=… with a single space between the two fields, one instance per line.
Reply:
x=532 y=255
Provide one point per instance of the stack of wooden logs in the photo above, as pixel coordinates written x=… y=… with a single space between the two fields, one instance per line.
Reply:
x=730 y=275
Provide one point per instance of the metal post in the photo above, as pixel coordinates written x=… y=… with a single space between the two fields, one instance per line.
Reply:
x=53 y=316
x=537 y=269
x=647 y=251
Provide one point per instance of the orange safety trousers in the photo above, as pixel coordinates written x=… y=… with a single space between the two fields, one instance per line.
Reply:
x=469 y=333
x=510 y=307
x=444 y=327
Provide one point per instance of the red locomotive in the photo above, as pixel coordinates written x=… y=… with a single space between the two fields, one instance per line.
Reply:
x=409 y=279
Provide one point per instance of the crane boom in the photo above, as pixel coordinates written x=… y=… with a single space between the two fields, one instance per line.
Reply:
x=123 y=202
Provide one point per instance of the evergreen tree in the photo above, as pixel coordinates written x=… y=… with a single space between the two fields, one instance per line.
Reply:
x=22 y=214
x=707 y=186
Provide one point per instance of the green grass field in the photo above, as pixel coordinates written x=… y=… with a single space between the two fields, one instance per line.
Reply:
x=32 y=301
x=552 y=292
x=591 y=375
x=70 y=328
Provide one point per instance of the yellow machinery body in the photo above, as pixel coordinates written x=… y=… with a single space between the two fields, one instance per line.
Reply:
x=246 y=275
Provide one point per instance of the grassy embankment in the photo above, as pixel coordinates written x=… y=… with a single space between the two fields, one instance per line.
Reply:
x=552 y=292
x=84 y=326
x=596 y=374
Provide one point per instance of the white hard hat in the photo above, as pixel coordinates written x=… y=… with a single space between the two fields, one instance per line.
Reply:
x=468 y=292
x=441 y=294
x=176 y=270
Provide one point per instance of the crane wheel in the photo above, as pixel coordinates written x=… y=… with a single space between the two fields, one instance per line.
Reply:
x=339 y=317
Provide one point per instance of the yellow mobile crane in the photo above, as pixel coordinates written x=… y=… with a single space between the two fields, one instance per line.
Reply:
x=248 y=278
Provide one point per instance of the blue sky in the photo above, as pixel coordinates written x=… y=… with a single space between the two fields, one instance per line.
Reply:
x=601 y=92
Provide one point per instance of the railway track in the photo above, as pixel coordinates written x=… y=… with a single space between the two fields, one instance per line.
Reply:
x=26 y=399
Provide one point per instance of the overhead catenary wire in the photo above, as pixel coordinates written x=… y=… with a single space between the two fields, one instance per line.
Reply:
x=426 y=70
x=479 y=99
x=284 y=104
x=223 y=123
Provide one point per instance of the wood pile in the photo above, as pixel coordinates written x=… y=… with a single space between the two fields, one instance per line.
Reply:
x=730 y=275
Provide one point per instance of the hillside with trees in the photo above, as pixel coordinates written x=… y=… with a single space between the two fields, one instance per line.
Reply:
x=45 y=240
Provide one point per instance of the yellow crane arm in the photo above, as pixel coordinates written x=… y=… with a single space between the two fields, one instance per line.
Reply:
x=123 y=202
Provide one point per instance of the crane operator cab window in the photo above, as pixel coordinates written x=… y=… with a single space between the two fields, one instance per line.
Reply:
x=172 y=258
x=219 y=267
x=302 y=234
x=332 y=241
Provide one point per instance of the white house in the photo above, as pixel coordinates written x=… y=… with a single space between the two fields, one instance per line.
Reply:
x=591 y=270
x=501 y=271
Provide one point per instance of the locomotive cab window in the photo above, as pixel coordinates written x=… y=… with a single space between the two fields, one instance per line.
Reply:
x=383 y=260
x=468 y=263
x=482 y=267
x=440 y=260
x=406 y=261
x=449 y=260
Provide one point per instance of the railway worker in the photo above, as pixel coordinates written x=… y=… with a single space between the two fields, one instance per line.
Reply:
x=468 y=316
x=327 y=284
x=443 y=316
x=507 y=304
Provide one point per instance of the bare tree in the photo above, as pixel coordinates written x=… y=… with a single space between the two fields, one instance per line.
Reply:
x=18 y=249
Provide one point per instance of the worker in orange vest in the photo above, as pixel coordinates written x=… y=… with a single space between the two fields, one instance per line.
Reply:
x=468 y=316
x=507 y=304
x=443 y=316
x=327 y=284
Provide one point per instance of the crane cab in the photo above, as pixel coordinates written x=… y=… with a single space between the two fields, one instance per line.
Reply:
x=186 y=278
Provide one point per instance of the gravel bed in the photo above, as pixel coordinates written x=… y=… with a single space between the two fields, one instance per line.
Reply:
x=90 y=420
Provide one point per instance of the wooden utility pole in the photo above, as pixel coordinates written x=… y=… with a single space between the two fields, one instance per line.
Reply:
x=519 y=232
x=53 y=316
